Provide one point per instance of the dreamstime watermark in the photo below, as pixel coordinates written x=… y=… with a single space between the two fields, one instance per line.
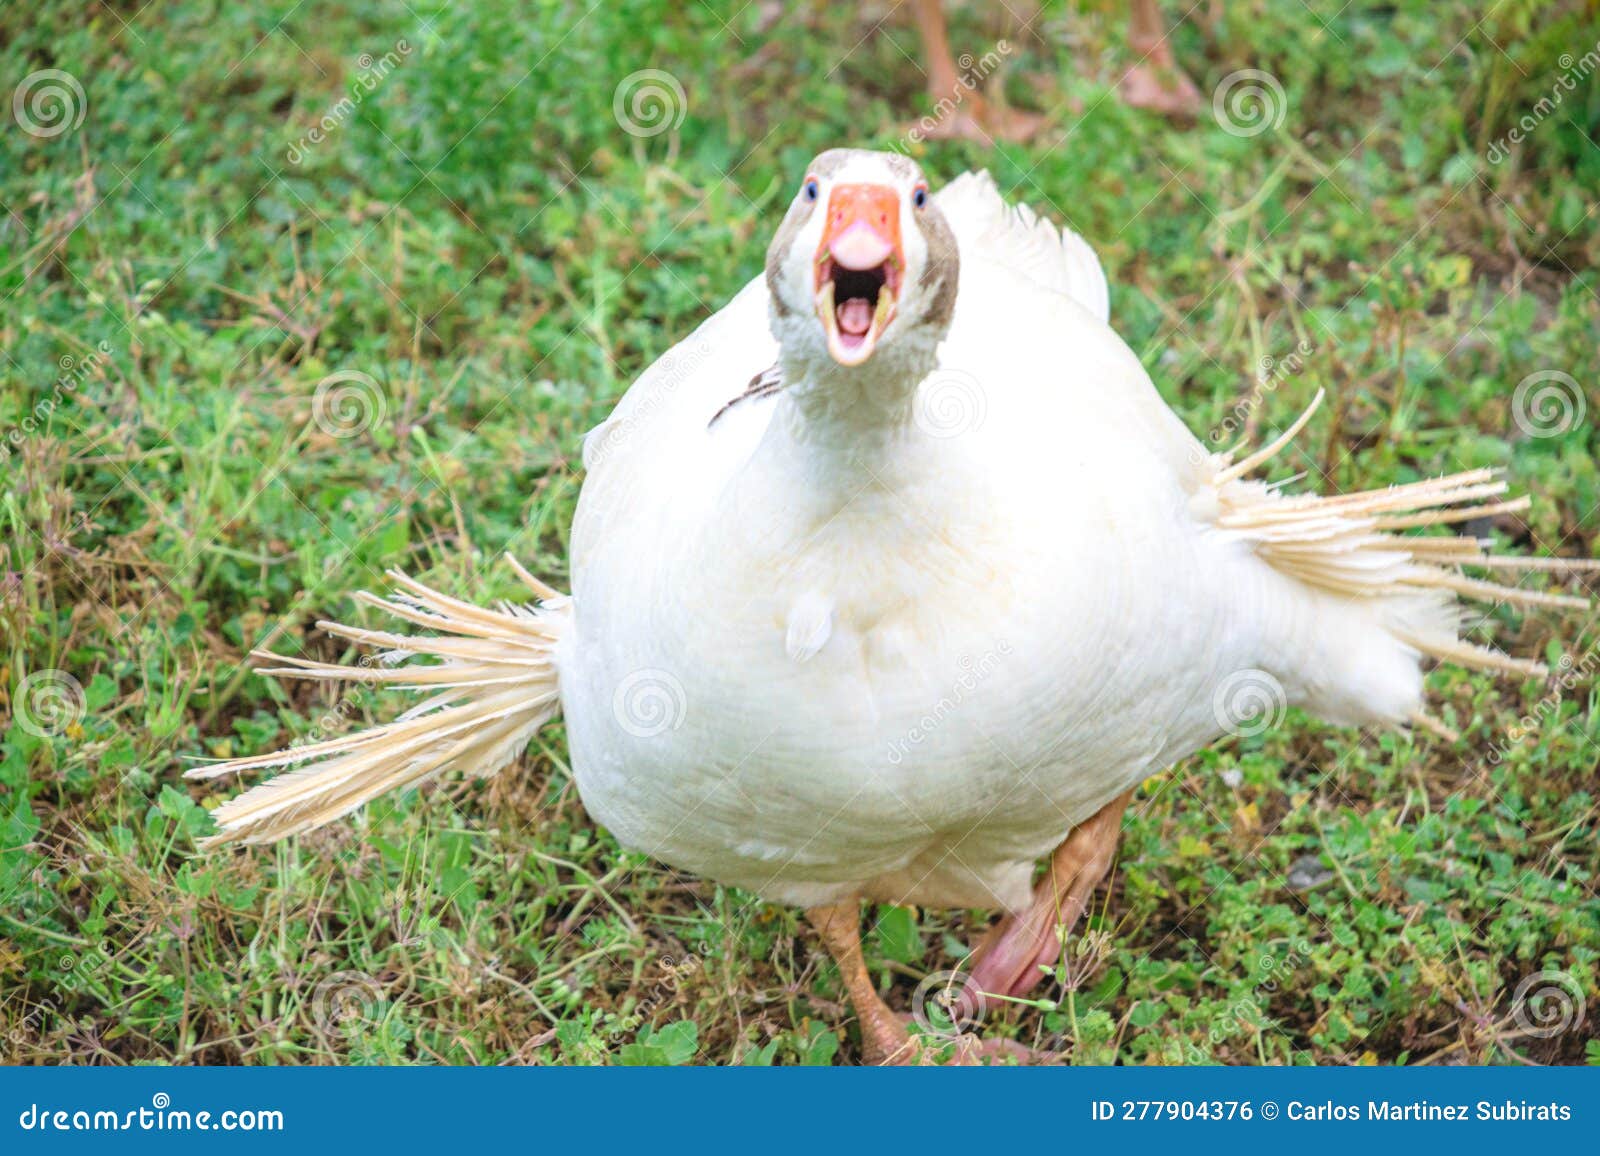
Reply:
x=71 y=971
x=972 y=673
x=1574 y=70
x=74 y=372
x=1548 y=403
x=347 y=404
x=1547 y=1003
x=49 y=703
x=1248 y=703
x=949 y=403
x=649 y=102
x=1568 y=674
x=946 y=1004
x=974 y=71
x=374 y=71
x=48 y=103
x=1270 y=374
x=650 y=702
x=346 y=1001
x=666 y=376
x=160 y=1116
x=1249 y=102
x=661 y=993
x=1246 y=1010
x=337 y=717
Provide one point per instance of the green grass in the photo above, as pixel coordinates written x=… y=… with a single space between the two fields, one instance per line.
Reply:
x=481 y=241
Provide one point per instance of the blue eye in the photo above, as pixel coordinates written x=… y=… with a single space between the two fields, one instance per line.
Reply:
x=919 y=196
x=809 y=189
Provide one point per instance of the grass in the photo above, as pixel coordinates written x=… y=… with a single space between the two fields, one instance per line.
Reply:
x=489 y=261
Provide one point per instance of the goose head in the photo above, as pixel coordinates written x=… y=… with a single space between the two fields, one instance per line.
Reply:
x=862 y=272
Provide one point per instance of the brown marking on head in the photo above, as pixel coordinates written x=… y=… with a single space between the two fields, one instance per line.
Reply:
x=902 y=166
x=944 y=264
x=782 y=241
x=828 y=163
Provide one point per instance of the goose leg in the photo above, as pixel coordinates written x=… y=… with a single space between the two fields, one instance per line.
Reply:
x=960 y=110
x=884 y=1037
x=1155 y=81
x=1008 y=960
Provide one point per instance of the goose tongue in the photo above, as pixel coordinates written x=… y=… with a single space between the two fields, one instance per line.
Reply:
x=855 y=316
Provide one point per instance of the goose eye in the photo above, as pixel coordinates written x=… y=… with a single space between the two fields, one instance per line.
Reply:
x=919 y=196
x=809 y=189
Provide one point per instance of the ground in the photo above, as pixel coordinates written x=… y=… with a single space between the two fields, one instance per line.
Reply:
x=291 y=292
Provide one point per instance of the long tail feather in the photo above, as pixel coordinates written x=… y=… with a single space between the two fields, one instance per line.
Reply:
x=495 y=685
x=1348 y=544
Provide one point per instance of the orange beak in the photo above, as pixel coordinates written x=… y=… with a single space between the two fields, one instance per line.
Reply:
x=859 y=266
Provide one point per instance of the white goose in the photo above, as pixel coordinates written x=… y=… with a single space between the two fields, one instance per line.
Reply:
x=908 y=593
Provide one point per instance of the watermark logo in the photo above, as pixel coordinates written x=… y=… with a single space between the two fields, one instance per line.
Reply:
x=345 y=1000
x=673 y=974
x=1249 y=702
x=975 y=70
x=949 y=403
x=676 y=366
x=948 y=1003
x=972 y=673
x=650 y=702
x=1547 y=1003
x=347 y=404
x=1249 y=102
x=160 y=1116
x=1271 y=373
x=74 y=372
x=1250 y=1009
x=73 y=971
x=48 y=103
x=49 y=703
x=1567 y=674
x=373 y=72
x=649 y=102
x=1548 y=403
x=1574 y=71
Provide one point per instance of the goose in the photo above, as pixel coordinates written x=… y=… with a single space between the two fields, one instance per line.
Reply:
x=895 y=579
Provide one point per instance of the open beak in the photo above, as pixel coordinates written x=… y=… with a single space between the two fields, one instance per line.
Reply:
x=859 y=266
